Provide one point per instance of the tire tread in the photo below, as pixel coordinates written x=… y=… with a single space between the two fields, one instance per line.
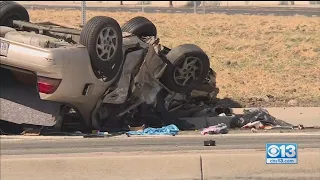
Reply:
x=88 y=39
x=140 y=26
x=9 y=7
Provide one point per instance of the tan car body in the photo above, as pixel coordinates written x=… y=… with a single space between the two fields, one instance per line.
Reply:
x=70 y=63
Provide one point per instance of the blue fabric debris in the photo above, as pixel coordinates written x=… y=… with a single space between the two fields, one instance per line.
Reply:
x=166 y=130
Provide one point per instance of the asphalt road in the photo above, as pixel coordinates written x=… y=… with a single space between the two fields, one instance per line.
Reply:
x=310 y=12
x=154 y=144
x=237 y=156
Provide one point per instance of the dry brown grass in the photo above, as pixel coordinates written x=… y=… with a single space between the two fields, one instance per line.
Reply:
x=252 y=55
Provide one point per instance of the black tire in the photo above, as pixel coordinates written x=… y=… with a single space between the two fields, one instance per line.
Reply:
x=10 y=10
x=177 y=56
x=140 y=26
x=106 y=67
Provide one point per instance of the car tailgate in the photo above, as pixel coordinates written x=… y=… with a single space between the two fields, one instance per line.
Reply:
x=21 y=103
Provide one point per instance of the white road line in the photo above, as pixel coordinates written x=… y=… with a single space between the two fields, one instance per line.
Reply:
x=314 y=15
x=178 y=11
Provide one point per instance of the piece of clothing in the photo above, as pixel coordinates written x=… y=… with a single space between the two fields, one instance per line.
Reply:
x=166 y=130
x=217 y=129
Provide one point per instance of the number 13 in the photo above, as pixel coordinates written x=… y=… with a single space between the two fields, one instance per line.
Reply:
x=291 y=151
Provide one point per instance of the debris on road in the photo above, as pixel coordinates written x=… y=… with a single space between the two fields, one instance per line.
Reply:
x=31 y=132
x=139 y=128
x=259 y=118
x=217 y=129
x=223 y=111
x=254 y=130
x=300 y=126
x=209 y=143
x=256 y=124
x=166 y=130
x=97 y=132
x=258 y=114
x=254 y=117
x=102 y=135
x=222 y=114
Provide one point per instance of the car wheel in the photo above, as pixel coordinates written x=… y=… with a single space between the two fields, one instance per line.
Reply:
x=190 y=68
x=140 y=26
x=10 y=10
x=102 y=36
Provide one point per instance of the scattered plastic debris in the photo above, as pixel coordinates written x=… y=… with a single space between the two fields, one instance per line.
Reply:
x=222 y=114
x=258 y=114
x=300 y=126
x=138 y=128
x=217 y=129
x=102 y=135
x=268 y=127
x=255 y=117
x=97 y=132
x=254 y=130
x=223 y=111
x=256 y=125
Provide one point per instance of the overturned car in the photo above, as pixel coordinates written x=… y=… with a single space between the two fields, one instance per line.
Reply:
x=101 y=75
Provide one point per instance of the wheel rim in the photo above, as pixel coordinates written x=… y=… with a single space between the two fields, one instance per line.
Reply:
x=107 y=43
x=187 y=71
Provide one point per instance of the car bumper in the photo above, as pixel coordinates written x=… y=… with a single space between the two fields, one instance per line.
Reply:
x=20 y=103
